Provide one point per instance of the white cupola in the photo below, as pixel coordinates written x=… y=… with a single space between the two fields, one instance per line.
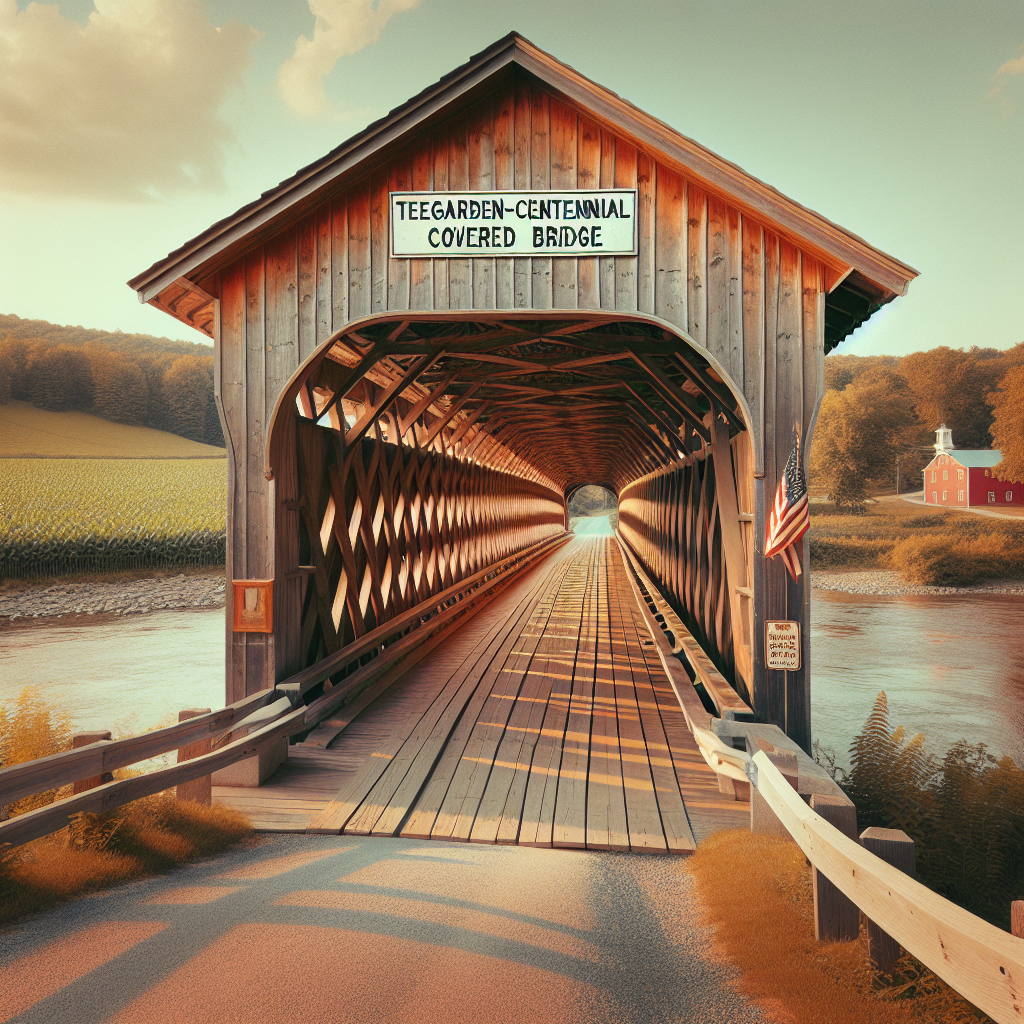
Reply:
x=943 y=440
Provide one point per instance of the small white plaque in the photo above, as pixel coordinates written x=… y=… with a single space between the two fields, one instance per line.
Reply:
x=782 y=646
x=458 y=224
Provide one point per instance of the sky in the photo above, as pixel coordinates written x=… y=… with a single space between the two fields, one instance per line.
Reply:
x=129 y=126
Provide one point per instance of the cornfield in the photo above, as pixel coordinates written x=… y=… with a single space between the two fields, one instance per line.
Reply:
x=60 y=515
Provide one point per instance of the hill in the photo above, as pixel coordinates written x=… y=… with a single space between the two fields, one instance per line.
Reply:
x=117 y=341
x=26 y=431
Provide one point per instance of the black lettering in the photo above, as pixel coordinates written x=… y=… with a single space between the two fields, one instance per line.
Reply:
x=497 y=209
x=551 y=238
x=470 y=244
x=519 y=213
x=401 y=209
x=412 y=212
x=474 y=210
x=538 y=238
x=569 y=210
x=611 y=211
x=449 y=213
x=510 y=237
x=568 y=236
x=622 y=211
x=460 y=237
x=545 y=209
x=447 y=237
x=437 y=210
x=462 y=209
x=584 y=235
x=431 y=234
x=495 y=237
x=534 y=208
x=424 y=212
x=595 y=237
x=485 y=210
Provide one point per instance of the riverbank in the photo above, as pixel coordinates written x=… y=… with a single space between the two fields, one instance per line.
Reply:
x=890 y=584
x=21 y=599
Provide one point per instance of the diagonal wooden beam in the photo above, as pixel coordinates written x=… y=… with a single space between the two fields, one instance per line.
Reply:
x=712 y=391
x=404 y=423
x=672 y=394
x=390 y=393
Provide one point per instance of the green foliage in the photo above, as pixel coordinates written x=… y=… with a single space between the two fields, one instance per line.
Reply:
x=592 y=500
x=965 y=813
x=860 y=433
x=160 y=510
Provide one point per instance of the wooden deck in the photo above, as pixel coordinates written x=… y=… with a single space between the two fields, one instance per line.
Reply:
x=547 y=720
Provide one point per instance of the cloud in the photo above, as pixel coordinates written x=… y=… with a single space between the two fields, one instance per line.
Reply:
x=124 y=107
x=1010 y=69
x=342 y=28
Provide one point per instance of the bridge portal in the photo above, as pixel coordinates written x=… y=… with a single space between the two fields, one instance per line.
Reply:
x=514 y=284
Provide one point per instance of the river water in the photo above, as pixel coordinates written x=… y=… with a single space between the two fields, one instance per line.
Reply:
x=951 y=667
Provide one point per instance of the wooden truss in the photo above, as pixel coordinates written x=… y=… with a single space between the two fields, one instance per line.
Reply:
x=423 y=448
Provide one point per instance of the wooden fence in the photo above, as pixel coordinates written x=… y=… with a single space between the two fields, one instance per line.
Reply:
x=351 y=677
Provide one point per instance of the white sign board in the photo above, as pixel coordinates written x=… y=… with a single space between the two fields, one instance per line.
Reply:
x=782 y=646
x=578 y=223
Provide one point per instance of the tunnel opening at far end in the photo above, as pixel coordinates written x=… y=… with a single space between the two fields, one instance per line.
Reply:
x=593 y=511
x=413 y=451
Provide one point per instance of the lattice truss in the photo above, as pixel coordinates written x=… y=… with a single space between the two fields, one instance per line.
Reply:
x=429 y=447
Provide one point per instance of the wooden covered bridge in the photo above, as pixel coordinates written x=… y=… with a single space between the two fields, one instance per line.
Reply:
x=513 y=285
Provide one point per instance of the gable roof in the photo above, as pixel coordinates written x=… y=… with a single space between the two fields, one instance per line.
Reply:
x=975 y=458
x=865 y=276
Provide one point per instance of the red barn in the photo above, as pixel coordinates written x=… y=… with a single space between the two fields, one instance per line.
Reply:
x=964 y=477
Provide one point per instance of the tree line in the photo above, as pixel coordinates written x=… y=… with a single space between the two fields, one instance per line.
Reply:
x=880 y=412
x=135 y=379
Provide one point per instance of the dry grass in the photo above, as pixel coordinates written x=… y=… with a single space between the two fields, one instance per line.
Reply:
x=26 y=431
x=141 y=838
x=771 y=939
x=926 y=548
x=146 y=837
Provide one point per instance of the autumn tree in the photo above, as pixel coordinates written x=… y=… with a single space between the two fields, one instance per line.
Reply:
x=120 y=390
x=188 y=391
x=59 y=378
x=1008 y=424
x=860 y=432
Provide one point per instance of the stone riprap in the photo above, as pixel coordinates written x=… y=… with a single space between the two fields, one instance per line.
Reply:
x=132 y=597
x=889 y=584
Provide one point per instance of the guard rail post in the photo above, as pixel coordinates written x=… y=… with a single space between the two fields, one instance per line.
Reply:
x=836 y=917
x=83 y=739
x=895 y=847
x=198 y=790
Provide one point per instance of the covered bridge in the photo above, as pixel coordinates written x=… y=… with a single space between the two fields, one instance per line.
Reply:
x=514 y=284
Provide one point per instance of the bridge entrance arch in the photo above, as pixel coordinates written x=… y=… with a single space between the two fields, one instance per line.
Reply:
x=413 y=450
x=426 y=405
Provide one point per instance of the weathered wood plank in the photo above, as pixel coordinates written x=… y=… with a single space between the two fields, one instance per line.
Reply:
x=563 y=176
x=540 y=178
x=670 y=248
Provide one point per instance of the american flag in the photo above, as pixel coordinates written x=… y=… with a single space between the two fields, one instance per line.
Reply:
x=789 y=519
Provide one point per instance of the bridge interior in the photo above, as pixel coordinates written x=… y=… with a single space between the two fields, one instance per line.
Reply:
x=547 y=720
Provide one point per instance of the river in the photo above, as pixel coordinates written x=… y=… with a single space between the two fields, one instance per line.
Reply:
x=951 y=667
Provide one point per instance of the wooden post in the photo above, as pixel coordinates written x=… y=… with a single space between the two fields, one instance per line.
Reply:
x=83 y=739
x=1017 y=918
x=762 y=818
x=198 y=790
x=895 y=847
x=836 y=917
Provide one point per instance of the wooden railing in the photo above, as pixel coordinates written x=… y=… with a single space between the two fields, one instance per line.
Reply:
x=980 y=961
x=249 y=726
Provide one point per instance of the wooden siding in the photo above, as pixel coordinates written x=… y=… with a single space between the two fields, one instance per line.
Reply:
x=753 y=301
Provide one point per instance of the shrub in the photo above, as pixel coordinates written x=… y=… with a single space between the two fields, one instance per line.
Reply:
x=965 y=813
x=926 y=522
x=847 y=552
x=29 y=730
x=955 y=561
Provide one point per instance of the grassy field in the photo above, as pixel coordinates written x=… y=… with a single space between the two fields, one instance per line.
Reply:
x=925 y=546
x=100 y=513
x=27 y=431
